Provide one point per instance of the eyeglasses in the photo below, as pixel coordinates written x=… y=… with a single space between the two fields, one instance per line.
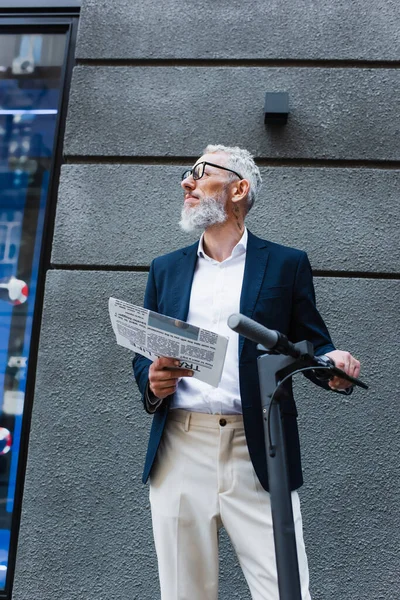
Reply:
x=198 y=170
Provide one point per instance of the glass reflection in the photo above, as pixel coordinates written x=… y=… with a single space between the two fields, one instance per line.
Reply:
x=30 y=79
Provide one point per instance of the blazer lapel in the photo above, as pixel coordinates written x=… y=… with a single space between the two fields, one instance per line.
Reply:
x=183 y=278
x=255 y=265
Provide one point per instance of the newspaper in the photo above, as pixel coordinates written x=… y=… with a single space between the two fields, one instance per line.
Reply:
x=152 y=335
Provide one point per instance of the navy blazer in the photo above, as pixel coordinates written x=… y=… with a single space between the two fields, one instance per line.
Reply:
x=277 y=292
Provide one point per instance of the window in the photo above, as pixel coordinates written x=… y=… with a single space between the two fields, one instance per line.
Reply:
x=35 y=65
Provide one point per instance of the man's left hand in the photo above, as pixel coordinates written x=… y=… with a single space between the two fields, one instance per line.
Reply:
x=345 y=361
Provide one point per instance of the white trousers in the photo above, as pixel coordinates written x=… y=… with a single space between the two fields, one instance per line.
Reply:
x=203 y=480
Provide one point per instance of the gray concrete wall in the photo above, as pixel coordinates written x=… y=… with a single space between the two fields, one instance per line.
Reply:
x=154 y=83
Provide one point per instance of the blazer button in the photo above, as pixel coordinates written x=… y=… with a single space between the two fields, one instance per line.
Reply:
x=222 y=422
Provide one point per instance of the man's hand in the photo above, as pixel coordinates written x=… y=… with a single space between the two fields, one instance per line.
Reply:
x=164 y=376
x=345 y=361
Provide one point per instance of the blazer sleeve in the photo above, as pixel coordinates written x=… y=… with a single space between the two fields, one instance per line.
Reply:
x=140 y=363
x=306 y=322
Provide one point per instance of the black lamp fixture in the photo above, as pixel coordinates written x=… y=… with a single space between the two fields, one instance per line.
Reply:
x=276 y=108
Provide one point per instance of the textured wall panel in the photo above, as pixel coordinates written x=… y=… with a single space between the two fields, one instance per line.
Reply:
x=335 y=113
x=349 y=29
x=86 y=516
x=346 y=219
x=85 y=532
x=351 y=450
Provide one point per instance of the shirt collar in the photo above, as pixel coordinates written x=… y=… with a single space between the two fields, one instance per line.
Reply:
x=240 y=247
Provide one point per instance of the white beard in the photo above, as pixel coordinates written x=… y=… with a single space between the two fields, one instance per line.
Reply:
x=210 y=211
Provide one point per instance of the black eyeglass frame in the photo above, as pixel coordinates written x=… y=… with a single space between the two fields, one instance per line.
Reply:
x=189 y=172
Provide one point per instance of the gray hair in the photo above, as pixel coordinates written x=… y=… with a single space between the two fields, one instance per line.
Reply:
x=242 y=161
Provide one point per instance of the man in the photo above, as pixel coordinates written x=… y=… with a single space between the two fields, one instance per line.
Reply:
x=206 y=455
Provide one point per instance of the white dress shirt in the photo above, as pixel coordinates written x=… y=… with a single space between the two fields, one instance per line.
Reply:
x=215 y=295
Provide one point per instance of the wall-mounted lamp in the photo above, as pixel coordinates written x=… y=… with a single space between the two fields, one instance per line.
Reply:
x=276 y=109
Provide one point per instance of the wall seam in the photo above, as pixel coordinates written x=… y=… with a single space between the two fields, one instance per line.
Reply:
x=263 y=162
x=145 y=269
x=238 y=63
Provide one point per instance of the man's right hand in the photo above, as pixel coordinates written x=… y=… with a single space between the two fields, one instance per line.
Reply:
x=164 y=376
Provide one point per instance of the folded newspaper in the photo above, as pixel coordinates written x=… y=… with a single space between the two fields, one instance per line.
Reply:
x=153 y=335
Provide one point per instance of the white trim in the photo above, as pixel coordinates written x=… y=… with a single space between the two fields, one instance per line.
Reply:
x=42 y=4
x=45 y=111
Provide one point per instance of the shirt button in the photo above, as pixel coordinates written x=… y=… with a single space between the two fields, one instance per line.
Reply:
x=222 y=422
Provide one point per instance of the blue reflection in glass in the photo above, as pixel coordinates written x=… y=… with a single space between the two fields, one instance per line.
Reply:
x=28 y=113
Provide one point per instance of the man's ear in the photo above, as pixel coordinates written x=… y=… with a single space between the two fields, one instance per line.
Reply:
x=240 y=190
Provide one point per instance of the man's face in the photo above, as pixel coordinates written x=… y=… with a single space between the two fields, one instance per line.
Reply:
x=212 y=183
x=205 y=199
